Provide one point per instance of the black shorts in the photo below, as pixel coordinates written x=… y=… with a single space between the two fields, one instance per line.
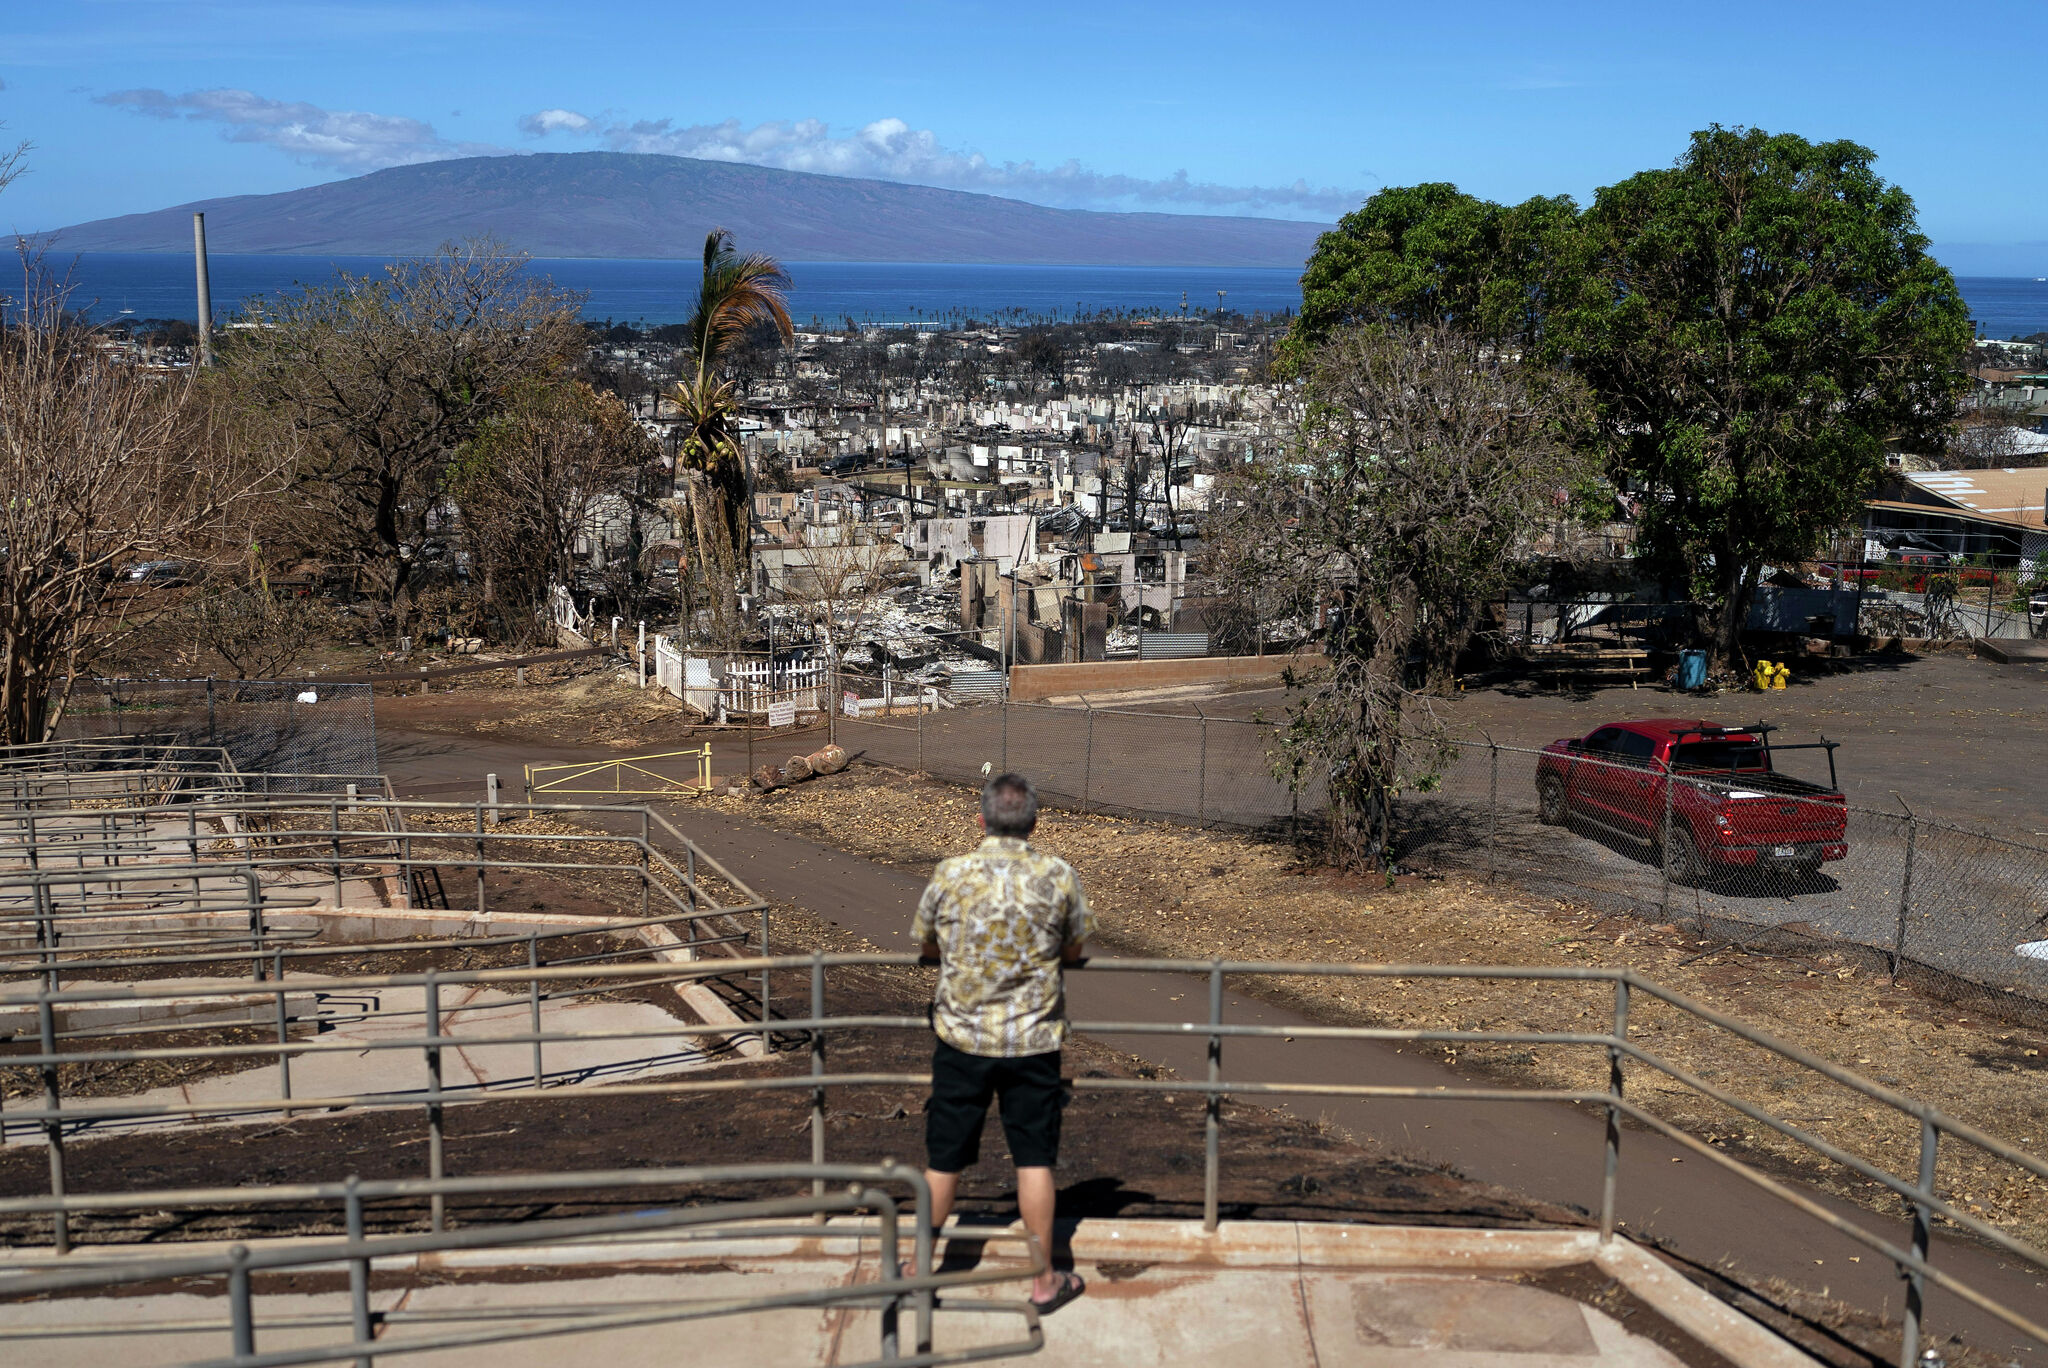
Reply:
x=1032 y=1096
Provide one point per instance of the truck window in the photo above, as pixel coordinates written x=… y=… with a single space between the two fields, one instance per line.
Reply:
x=1600 y=742
x=1634 y=748
x=1722 y=755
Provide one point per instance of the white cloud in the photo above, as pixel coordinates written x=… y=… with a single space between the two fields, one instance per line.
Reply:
x=890 y=149
x=549 y=121
x=347 y=140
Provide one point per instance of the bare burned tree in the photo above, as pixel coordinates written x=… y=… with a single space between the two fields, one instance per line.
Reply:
x=1422 y=464
x=248 y=632
x=102 y=464
x=380 y=380
x=841 y=590
x=1987 y=437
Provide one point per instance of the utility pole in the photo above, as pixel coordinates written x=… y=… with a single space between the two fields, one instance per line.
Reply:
x=205 y=290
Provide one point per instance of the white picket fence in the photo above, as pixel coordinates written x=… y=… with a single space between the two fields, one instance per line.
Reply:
x=745 y=687
x=751 y=686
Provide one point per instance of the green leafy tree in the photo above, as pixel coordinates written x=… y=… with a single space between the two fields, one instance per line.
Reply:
x=1752 y=324
x=736 y=293
x=1424 y=254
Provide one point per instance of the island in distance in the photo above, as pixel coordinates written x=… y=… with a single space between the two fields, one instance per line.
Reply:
x=625 y=205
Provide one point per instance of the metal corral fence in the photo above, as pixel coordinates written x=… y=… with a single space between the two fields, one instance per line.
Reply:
x=1922 y=895
x=1626 y=1055
x=364 y=1334
x=272 y=725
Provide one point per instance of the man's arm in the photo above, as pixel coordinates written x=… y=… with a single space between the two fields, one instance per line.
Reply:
x=924 y=927
x=1080 y=925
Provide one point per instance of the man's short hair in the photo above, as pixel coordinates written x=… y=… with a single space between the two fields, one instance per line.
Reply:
x=1009 y=806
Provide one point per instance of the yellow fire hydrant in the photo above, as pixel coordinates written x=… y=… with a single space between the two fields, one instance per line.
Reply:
x=1769 y=676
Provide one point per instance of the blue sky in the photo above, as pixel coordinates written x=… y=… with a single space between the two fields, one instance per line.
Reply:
x=1290 y=109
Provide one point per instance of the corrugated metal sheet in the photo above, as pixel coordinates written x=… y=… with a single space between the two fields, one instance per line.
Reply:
x=1172 y=645
x=975 y=686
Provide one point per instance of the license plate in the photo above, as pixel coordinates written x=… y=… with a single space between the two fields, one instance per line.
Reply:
x=1784 y=852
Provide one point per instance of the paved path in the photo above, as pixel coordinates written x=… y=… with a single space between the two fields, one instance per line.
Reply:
x=1549 y=1152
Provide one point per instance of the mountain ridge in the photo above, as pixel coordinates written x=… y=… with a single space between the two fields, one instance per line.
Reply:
x=619 y=205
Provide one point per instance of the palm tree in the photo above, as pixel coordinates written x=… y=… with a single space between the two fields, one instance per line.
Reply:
x=737 y=293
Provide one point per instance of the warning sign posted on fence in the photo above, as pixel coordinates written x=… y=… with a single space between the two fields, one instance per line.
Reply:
x=782 y=713
x=850 y=703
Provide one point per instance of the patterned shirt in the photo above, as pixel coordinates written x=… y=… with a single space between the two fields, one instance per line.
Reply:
x=1000 y=917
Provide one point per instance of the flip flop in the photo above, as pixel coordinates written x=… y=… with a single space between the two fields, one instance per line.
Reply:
x=1071 y=1286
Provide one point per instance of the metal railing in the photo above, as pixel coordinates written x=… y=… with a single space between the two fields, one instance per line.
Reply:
x=62 y=914
x=866 y=1189
x=1612 y=1042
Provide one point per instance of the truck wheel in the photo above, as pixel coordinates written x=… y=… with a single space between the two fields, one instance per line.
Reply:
x=1682 y=858
x=1550 y=806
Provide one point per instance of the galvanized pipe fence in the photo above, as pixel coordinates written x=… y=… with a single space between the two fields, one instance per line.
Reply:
x=862 y=1189
x=117 y=891
x=1625 y=1054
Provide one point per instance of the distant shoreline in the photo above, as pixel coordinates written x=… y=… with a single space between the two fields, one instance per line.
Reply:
x=660 y=290
x=657 y=290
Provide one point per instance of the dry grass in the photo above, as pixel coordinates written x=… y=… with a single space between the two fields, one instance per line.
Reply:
x=1170 y=890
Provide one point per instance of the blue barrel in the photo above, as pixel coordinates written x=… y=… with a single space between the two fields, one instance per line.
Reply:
x=1692 y=669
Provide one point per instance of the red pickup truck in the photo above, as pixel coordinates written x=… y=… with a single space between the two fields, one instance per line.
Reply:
x=1715 y=790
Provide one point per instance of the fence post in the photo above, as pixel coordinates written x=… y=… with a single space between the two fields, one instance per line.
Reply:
x=491 y=794
x=437 y=1203
x=1088 y=753
x=1916 y=1285
x=1664 y=846
x=241 y=1316
x=284 y=1059
x=358 y=1268
x=1213 y=1120
x=817 y=1035
x=767 y=1037
x=1202 y=772
x=1611 y=1168
x=334 y=844
x=533 y=1002
x=483 y=909
x=1005 y=705
x=1905 y=893
x=1493 y=813
x=53 y=1125
x=646 y=869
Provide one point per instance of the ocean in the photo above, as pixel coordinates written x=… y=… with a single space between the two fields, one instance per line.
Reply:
x=160 y=285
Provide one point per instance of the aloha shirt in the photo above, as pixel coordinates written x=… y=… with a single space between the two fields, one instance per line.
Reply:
x=1001 y=916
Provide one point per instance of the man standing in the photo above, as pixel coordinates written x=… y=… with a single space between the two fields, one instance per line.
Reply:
x=1002 y=922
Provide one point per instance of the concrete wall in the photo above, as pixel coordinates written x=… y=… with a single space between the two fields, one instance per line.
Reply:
x=1029 y=682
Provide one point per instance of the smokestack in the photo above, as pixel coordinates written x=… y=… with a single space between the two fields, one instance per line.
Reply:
x=205 y=290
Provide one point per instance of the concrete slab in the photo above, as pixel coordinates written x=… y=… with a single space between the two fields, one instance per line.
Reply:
x=1180 y=1305
x=2013 y=650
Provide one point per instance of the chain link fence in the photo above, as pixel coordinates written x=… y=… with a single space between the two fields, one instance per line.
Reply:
x=267 y=725
x=1760 y=862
